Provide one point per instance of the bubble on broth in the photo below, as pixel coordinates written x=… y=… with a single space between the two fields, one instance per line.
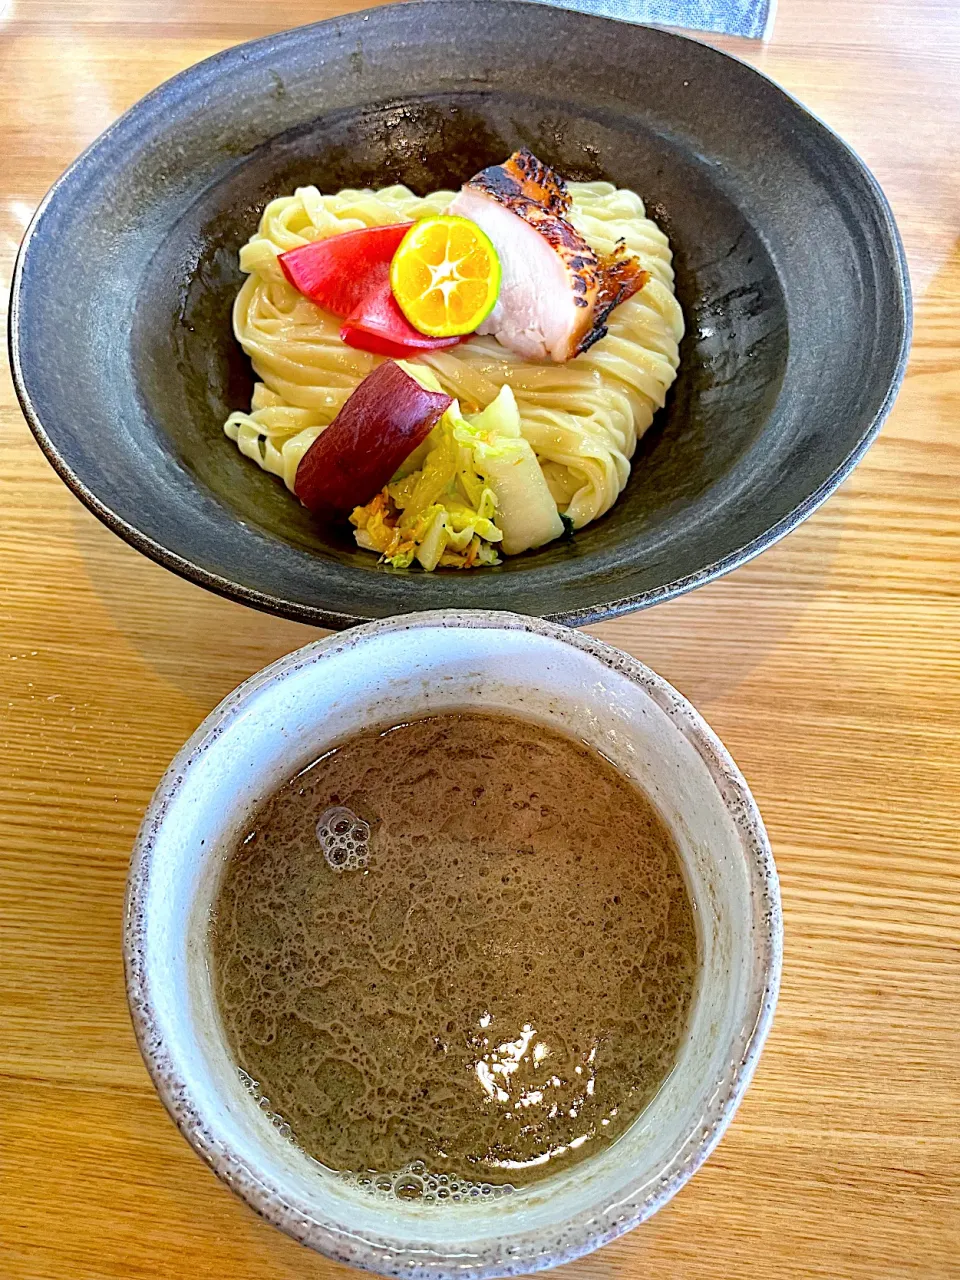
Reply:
x=415 y=1182
x=344 y=838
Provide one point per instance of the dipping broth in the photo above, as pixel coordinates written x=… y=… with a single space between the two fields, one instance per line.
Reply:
x=455 y=955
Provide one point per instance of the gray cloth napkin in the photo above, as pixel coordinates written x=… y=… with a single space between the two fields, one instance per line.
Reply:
x=753 y=18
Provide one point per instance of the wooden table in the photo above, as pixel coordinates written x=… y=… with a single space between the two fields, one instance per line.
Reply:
x=830 y=667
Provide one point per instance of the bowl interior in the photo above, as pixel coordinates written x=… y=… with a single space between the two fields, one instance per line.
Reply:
x=192 y=373
x=788 y=270
x=295 y=711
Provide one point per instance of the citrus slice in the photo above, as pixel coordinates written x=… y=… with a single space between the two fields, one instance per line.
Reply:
x=445 y=276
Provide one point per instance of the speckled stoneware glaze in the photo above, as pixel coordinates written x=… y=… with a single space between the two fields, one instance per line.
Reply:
x=789 y=269
x=384 y=672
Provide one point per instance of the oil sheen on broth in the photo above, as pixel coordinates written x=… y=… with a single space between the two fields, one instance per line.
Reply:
x=488 y=988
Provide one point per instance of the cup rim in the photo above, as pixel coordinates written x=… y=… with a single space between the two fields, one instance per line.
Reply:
x=520 y=1253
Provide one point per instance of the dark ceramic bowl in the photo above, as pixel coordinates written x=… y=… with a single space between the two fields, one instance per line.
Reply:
x=789 y=269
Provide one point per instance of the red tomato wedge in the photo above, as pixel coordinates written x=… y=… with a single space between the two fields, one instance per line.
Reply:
x=338 y=272
x=377 y=324
x=384 y=420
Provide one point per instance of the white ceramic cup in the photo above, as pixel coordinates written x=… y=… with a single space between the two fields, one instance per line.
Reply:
x=382 y=673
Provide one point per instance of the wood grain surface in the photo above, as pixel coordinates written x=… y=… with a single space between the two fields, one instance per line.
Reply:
x=830 y=666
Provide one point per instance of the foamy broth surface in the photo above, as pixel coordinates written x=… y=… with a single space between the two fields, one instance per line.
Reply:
x=461 y=949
